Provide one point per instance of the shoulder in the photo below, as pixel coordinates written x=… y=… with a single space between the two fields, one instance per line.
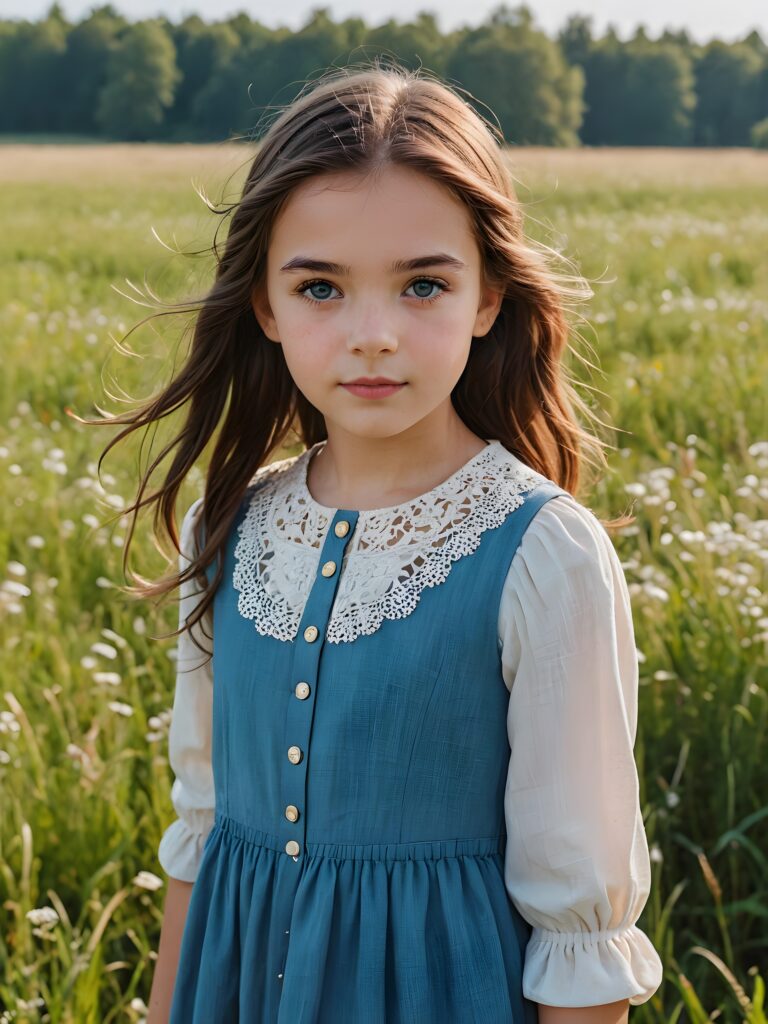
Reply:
x=191 y=515
x=562 y=532
x=187 y=532
x=565 y=539
x=275 y=468
x=272 y=473
x=264 y=475
x=564 y=575
x=263 y=483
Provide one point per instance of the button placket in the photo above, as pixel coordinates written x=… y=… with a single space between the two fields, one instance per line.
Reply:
x=309 y=641
x=303 y=685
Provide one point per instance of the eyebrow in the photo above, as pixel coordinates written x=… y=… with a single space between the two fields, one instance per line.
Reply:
x=439 y=259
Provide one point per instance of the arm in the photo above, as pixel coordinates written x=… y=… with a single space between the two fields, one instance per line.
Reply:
x=576 y=866
x=193 y=791
x=190 y=741
x=607 y=1013
x=174 y=918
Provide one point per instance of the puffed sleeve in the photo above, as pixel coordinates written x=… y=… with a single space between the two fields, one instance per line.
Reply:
x=189 y=738
x=576 y=863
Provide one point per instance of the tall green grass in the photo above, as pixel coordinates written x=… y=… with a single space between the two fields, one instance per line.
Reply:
x=679 y=329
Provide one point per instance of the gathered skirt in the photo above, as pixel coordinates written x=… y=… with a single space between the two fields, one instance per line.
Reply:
x=350 y=934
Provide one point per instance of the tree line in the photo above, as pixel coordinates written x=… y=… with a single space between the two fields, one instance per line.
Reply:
x=152 y=80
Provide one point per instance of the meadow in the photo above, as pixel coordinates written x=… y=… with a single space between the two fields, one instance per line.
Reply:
x=677 y=335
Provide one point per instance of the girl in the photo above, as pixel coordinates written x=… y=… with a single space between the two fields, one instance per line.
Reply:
x=404 y=782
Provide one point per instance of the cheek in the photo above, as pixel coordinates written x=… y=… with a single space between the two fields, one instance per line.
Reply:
x=447 y=323
x=308 y=357
x=443 y=349
x=302 y=356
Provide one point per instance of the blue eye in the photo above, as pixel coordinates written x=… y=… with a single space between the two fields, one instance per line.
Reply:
x=314 y=284
x=431 y=283
x=322 y=299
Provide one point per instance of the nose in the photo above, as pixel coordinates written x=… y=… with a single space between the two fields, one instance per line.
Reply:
x=372 y=331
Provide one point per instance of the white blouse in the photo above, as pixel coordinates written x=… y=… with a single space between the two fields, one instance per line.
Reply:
x=577 y=865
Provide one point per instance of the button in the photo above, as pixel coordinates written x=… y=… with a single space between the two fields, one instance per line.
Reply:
x=329 y=569
x=292 y=812
x=280 y=976
x=292 y=847
x=302 y=690
x=294 y=754
x=341 y=529
x=310 y=634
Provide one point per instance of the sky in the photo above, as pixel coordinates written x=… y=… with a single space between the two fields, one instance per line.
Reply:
x=726 y=21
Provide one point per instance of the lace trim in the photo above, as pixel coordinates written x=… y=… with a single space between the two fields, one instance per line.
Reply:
x=393 y=555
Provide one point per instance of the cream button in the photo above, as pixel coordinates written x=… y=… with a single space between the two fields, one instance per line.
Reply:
x=329 y=569
x=294 y=754
x=310 y=634
x=302 y=690
x=292 y=847
x=292 y=812
x=341 y=529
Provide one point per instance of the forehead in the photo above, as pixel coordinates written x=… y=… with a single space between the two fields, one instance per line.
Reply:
x=341 y=215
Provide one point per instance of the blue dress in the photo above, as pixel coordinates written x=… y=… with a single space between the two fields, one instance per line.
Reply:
x=354 y=873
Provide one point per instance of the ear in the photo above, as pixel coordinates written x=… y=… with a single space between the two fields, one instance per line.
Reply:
x=487 y=311
x=263 y=313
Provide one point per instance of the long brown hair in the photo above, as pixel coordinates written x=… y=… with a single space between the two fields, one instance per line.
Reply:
x=235 y=383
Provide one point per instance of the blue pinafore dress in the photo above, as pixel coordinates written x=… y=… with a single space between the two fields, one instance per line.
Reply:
x=354 y=873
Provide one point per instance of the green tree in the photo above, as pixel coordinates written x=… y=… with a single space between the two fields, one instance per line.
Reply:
x=728 y=81
x=638 y=93
x=759 y=134
x=32 y=75
x=142 y=77
x=576 y=39
x=660 y=95
x=604 y=91
x=319 y=44
x=86 y=62
x=418 y=43
x=8 y=48
x=201 y=50
x=195 y=80
x=522 y=75
x=224 y=106
x=679 y=36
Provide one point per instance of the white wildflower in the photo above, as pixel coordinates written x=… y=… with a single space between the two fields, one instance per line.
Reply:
x=42 y=916
x=146 y=880
x=107 y=650
x=120 y=708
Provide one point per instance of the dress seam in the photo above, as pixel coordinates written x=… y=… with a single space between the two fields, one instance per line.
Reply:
x=268 y=841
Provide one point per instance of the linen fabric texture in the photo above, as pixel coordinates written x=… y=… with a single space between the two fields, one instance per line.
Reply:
x=470 y=840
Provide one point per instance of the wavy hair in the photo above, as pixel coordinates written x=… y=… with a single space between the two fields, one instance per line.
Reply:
x=234 y=384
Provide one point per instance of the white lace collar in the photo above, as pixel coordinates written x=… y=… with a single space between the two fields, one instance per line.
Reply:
x=393 y=554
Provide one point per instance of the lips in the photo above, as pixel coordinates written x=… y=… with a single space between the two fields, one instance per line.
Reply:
x=365 y=390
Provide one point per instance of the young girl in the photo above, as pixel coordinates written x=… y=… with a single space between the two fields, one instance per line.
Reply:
x=404 y=782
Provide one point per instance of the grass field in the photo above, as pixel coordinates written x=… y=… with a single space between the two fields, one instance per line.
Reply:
x=679 y=327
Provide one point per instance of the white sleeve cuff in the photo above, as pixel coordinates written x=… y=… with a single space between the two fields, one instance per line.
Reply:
x=181 y=846
x=617 y=964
